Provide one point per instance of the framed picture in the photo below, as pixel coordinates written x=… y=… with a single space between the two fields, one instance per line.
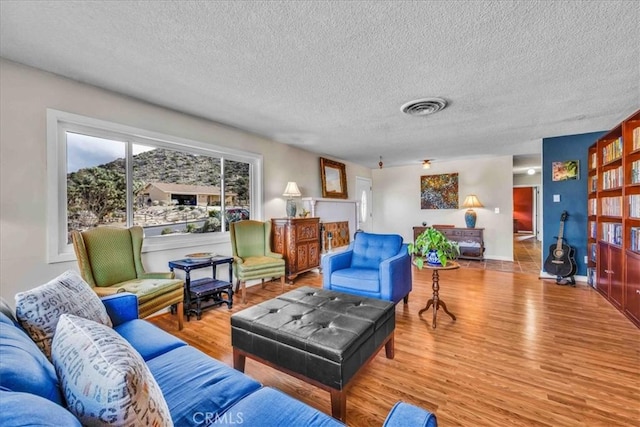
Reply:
x=334 y=179
x=562 y=171
x=439 y=191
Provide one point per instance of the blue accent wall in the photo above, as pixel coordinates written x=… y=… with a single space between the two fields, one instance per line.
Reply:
x=573 y=194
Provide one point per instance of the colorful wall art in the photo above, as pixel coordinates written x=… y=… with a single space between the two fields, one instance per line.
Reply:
x=439 y=191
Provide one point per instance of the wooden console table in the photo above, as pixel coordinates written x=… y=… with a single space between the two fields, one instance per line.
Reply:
x=298 y=240
x=470 y=240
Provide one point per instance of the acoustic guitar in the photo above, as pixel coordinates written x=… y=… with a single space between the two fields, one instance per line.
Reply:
x=561 y=262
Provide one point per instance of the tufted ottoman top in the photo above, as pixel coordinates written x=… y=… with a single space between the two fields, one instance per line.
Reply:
x=329 y=324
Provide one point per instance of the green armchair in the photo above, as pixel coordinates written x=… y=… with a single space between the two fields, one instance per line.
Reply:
x=252 y=256
x=110 y=262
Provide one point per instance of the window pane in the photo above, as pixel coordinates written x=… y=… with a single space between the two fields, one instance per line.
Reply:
x=96 y=186
x=237 y=179
x=175 y=191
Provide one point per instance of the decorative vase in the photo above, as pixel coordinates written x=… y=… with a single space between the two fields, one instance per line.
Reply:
x=470 y=218
x=291 y=208
x=432 y=258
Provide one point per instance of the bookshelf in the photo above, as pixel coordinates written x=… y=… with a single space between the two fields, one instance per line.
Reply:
x=613 y=212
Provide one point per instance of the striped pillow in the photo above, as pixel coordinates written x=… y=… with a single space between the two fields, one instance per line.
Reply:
x=39 y=309
x=104 y=380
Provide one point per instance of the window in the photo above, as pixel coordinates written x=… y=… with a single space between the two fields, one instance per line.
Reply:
x=181 y=192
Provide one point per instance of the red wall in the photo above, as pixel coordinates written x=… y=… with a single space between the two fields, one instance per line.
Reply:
x=523 y=207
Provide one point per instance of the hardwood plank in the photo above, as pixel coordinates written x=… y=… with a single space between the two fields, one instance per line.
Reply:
x=523 y=352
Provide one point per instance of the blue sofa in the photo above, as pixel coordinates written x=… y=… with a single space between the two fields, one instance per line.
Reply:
x=198 y=389
x=374 y=266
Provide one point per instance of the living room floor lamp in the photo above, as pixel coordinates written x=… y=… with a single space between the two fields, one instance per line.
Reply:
x=470 y=202
x=291 y=191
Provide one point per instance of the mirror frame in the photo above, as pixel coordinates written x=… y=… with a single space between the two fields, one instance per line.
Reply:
x=342 y=174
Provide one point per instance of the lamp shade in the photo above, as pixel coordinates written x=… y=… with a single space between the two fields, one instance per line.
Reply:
x=292 y=190
x=471 y=201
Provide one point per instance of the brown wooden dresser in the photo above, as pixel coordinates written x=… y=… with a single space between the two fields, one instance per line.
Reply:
x=298 y=240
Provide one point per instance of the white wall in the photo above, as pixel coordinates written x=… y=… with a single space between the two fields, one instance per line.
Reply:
x=25 y=95
x=396 y=200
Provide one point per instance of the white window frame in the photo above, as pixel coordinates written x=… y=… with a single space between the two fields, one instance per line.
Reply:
x=60 y=122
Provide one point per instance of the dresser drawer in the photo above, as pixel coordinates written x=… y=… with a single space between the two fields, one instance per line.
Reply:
x=472 y=233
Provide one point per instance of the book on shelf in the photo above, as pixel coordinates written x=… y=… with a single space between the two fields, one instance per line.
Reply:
x=612 y=151
x=611 y=206
x=593 y=230
x=591 y=276
x=593 y=252
x=636 y=139
x=612 y=233
x=593 y=206
x=634 y=239
x=612 y=178
x=635 y=171
x=634 y=205
x=594 y=160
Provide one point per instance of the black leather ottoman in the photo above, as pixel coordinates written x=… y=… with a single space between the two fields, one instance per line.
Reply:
x=322 y=337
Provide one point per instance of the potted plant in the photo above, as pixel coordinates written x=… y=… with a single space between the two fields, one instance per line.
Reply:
x=433 y=246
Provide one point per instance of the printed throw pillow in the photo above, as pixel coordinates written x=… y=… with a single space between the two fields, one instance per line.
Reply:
x=104 y=380
x=39 y=309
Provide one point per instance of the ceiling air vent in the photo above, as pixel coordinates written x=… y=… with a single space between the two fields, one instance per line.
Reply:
x=424 y=107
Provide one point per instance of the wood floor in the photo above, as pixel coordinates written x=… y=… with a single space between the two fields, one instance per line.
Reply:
x=523 y=352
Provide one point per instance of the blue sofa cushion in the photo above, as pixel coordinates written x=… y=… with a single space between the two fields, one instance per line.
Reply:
x=369 y=250
x=148 y=340
x=358 y=279
x=268 y=407
x=195 y=385
x=25 y=409
x=23 y=366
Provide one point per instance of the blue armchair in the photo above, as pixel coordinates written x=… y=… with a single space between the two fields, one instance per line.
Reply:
x=374 y=265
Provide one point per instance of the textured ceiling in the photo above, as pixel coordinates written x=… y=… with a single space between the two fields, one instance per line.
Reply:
x=330 y=76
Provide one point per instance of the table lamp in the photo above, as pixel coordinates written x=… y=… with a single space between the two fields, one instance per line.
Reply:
x=291 y=191
x=471 y=201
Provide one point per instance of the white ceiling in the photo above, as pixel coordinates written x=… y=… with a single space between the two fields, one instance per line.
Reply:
x=330 y=76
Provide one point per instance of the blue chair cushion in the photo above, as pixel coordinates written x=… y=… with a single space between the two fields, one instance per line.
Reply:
x=403 y=414
x=268 y=407
x=184 y=371
x=369 y=250
x=361 y=279
x=147 y=339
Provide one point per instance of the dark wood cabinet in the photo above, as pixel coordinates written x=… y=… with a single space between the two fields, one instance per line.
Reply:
x=613 y=212
x=298 y=240
x=470 y=240
x=632 y=280
x=610 y=277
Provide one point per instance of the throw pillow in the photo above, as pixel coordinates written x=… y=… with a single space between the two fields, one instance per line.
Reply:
x=39 y=309
x=104 y=380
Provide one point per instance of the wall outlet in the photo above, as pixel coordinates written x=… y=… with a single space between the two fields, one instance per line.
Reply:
x=586 y=259
x=556 y=198
x=497 y=210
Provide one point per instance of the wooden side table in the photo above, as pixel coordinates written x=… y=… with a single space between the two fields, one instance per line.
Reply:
x=435 y=300
x=209 y=288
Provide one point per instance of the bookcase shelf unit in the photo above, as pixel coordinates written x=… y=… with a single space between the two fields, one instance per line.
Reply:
x=613 y=212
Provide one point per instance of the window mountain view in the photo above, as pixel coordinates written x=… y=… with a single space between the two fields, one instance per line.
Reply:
x=172 y=192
